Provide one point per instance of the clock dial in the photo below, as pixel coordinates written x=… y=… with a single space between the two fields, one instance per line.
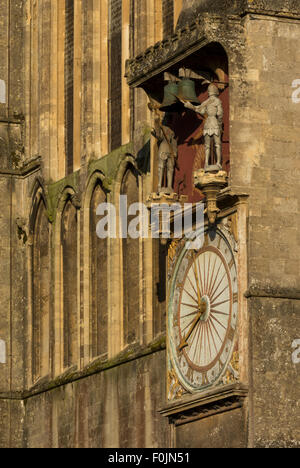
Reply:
x=203 y=313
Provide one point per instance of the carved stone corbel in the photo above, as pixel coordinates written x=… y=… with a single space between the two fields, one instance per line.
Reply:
x=211 y=183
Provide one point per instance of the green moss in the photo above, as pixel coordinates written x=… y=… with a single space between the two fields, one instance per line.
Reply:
x=130 y=354
x=110 y=163
x=147 y=134
x=55 y=191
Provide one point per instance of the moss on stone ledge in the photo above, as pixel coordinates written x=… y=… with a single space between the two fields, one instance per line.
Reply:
x=131 y=353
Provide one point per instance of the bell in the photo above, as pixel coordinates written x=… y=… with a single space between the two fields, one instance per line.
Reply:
x=170 y=102
x=187 y=91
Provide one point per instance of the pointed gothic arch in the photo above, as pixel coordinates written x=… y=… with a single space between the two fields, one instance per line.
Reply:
x=40 y=285
x=131 y=263
x=69 y=271
x=98 y=255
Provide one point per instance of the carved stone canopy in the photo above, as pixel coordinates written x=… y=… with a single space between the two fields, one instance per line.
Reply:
x=149 y=70
x=200 y=23
x=192 y=8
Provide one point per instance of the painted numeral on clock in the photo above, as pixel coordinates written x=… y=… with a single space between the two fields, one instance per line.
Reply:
x=231 y=334
x=235 y=298
x=205 y=379
x=190 y=374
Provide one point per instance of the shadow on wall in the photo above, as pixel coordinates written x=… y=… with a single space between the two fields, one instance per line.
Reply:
x=2 y=92
x=2 y=352
x=143 y=159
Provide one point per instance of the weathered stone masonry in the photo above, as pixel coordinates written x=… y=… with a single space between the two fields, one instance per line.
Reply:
x=85 y=358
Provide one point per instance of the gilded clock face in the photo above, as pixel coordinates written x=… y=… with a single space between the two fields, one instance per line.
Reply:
x=203 y=312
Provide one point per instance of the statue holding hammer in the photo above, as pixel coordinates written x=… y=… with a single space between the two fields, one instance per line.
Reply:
x=213 y=127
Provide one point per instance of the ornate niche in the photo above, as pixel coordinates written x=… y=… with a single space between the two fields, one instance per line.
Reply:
x=182 y=127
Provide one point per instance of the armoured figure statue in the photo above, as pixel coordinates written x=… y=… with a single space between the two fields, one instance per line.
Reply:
x=213 y=108
x=167 y=155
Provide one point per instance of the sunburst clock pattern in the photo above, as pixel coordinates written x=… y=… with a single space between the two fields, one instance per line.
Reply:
x=203 y=312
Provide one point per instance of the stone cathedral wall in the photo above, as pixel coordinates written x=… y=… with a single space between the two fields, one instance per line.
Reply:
x=112 y=398
x=265 y=129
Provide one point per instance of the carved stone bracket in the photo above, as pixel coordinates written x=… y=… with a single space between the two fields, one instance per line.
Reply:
x=22 y=229
x=161 y=204
x=213 y=402
x=211 y=183
x=164 y=198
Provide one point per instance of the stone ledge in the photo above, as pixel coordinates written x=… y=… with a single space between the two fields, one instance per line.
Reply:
x=218 y=400
x=272 y=292
x=26 y=170
x=131 y=353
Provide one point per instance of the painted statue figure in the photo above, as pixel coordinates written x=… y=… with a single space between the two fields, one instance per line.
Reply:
x=213 y=126
x=167 y=157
